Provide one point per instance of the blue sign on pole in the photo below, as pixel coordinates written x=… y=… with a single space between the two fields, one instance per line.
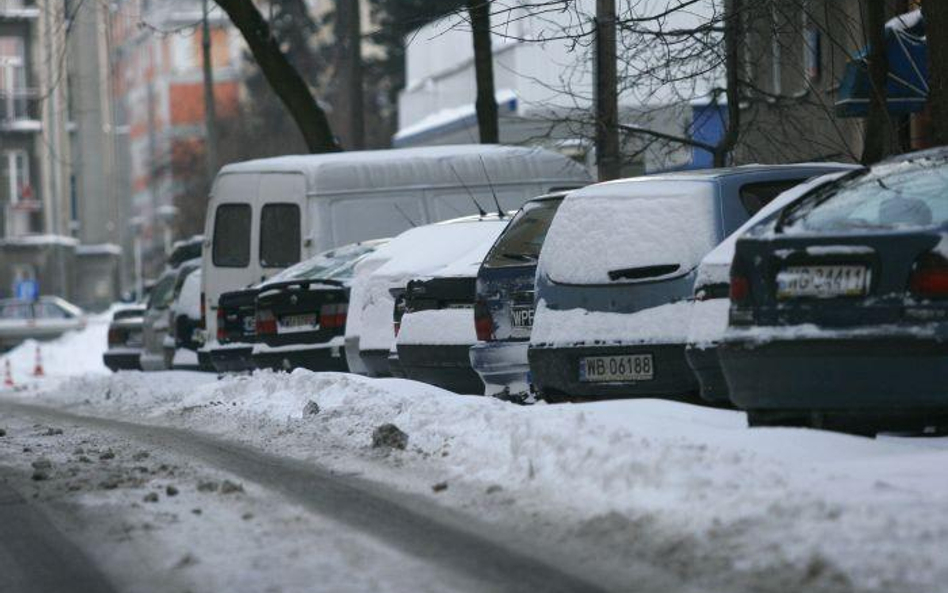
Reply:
x=26 y=290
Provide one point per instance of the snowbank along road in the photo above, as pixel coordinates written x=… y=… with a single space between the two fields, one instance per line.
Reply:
x=628 y=495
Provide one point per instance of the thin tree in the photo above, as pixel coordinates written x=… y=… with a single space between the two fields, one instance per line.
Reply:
x=936 y=34
x=880 y=137
x=608 y=160
x=486 y=103
x=349 y=36
x=283 y=78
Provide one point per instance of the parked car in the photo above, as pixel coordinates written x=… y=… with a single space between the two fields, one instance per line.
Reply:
x=839 y=315
x=187 y=332
x=125 y=339
x=435 y=327
x=414 y=254
x=157 y=353
x=301 y=313
x=44 y=319
x=232 y=349
x=711 y=299
x=504 y=292
x=617 y=271
x=266 y=215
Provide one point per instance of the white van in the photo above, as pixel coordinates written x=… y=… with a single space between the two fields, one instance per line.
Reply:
x=267 y=214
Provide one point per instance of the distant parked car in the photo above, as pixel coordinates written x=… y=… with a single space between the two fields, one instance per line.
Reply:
x=157 y=352
x=415 y=254
x=125 y=339
x=503 y=310
x=301 y=313
x=710 y=308
x=839 y=306
x=47 y=318
x=435 y=329
x=617 y=272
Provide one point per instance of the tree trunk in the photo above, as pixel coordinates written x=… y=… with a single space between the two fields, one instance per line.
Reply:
x=880 y=137
x=936 y=31
x=486 y=105
x=608 y=161
x=349 y=37
x=210 y=111
x=283 y=78
x=733 y=41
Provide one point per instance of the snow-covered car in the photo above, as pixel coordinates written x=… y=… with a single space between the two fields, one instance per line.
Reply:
x=187 y=332
x=616 y=275
x=157 y=344
x=435 y=329
x=125 y=339
x=44 y=319
x=301 y=312
x=414 y=254
x=503 y=310
x=839 y=305
x=710 y=307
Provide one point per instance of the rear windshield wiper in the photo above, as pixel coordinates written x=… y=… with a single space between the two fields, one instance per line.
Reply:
x=643 y=272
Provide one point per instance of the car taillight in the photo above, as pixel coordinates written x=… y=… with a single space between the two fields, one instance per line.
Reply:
x=333 y=316
x=203 y=312
x=221 y=334
x=483 y=322
x=265 y=322
x=739 y=290
x=929 y=277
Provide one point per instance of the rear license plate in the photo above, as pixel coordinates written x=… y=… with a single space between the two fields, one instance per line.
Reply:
x=522 y=317
x=602 y=369
x=822 y=281
x=295 y=323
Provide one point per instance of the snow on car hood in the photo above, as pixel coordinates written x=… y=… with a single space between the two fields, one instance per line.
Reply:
x=630 y=224
x=416 y=253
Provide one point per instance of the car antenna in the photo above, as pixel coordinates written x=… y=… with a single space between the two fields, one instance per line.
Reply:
x=490 y=184
x=402 y=212
x=480 y=210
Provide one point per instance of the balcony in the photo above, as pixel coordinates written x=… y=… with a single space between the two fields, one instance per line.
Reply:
x=18 y=10
x=20 y=111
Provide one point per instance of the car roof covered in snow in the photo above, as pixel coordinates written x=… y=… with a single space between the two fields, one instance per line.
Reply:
x=711 y=174
x=414 y=167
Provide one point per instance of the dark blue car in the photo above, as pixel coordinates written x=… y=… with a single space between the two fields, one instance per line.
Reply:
x=839 y=306
x=503 y=310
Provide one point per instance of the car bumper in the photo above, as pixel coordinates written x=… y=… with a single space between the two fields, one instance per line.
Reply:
x=153 y=361
x=232 y=360
x=555 y=372
x=872 y=374
x=375 y=363
x=503 y=367
x=126 y=359
x=328 y=356
x=445 y=366
x=706 y=365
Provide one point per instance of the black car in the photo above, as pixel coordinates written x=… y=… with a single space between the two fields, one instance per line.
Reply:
x=839 y=306
x=503 y=311
x=236 y=331
x=301 y=313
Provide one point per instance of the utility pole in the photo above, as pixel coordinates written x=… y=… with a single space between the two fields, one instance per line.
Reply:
x=210 y=111
x=354 y=60
x=486 y=104
x=607 y=101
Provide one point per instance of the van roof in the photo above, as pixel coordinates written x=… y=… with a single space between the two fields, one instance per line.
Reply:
x=422 y=166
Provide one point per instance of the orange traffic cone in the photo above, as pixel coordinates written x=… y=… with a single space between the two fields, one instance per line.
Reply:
x=38 y=367
x=8 y=375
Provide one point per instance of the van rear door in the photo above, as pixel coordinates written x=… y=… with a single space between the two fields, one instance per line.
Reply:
x=282 y=223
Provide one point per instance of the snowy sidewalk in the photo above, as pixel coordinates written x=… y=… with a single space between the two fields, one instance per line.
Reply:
x=687 y=488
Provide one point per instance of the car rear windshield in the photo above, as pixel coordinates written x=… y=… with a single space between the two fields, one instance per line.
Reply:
x=631 y=231
x=280 y=241
x=232 y=236
x=521 y=241
x=336 y=264
x=163 y=292
x=893 y=195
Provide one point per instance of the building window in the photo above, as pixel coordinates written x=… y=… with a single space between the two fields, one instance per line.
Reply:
x=14 y=177
x=12 y=78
